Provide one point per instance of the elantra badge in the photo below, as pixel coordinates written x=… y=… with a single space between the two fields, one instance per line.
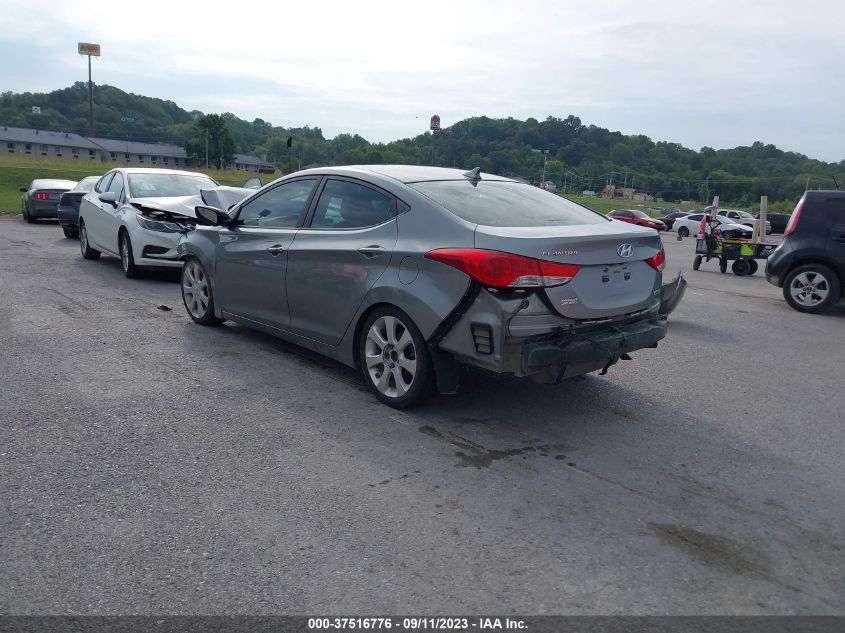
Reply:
x=626 y=250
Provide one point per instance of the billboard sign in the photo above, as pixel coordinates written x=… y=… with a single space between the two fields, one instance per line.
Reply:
x=89 y=49
x=36 y=109
x=435 y=122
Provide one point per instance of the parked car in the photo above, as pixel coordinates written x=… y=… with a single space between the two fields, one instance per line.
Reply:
x=39 y=200
x=778 y=221
x=137 y=214
x=743 y=217
x=688 y=225
x=405 y=271
x=809 y=264
x=669 y=218
x=68 y=208
x=635 y=216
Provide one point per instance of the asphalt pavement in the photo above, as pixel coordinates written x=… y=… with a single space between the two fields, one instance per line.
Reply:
x=153 y=466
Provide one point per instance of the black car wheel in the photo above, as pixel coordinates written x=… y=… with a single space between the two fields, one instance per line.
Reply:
x=70 y=232
x=683 y=231
x=27 y=216
x=87 y=251
x=812 y=288
x=395 y=360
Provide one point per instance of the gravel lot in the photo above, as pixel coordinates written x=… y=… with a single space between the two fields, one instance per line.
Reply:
x=153 y=466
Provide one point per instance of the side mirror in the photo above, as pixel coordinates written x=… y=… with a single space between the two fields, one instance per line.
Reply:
x=24 y=189
x=109 y=197
x=211 y=216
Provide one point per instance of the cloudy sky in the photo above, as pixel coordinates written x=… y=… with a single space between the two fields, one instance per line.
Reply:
x=711 y=73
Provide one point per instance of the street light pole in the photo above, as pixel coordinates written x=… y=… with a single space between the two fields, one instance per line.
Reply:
x=90 y=101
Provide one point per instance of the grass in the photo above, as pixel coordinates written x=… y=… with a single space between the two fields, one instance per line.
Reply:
x=19 y=171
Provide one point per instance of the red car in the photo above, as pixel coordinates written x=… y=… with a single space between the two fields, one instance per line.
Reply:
x=634 y=216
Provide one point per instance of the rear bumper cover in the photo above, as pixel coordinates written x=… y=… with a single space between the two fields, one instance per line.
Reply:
x=602 y=347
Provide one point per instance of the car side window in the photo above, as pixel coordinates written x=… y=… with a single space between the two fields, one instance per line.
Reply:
x=117 y=187
x=349 y=205
x=281 y=207
x=103 y=183
x=696 y=218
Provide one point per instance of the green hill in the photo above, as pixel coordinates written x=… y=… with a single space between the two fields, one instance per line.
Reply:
x=580 y=156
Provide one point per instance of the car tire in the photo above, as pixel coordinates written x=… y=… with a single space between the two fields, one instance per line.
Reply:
x=127 y=257
x=741 y=267
x=394 y=359
x=723 y=265
x=197 y=296
x=69 y=232
x=812 y=288
x=696 y=263
x=87 y=251
x=683 y=231
x=754 y=266
x=26 y=216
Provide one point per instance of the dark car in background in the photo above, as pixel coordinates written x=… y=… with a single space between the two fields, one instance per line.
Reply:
x=669 y=218
x=635 y=216
x=777 y=220
x=68 y=207
x=42 y=197
x=810 y=262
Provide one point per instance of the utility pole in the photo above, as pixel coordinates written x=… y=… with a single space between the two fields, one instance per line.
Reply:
x=91 y=50
x=206 y=148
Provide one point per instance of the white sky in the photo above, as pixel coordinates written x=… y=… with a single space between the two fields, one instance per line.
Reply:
x=711 y=73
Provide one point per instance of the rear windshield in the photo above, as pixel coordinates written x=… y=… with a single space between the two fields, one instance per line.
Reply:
x=497 y=203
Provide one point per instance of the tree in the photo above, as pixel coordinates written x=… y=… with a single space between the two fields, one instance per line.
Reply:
x=211 y=131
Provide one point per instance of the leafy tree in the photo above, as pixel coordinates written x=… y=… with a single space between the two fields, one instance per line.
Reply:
x=211 y=132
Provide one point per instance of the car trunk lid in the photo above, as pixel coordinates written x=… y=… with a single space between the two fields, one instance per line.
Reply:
x=614 y=278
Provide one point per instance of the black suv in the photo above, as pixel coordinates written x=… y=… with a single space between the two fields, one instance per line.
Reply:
x=810 y=262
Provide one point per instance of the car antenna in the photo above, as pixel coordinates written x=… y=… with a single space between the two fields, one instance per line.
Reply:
x=473 y=175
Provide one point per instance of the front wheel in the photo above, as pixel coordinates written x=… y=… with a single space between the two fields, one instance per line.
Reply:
x=683 y=231
x=696 y=263
x=127 y=259
x=87 y=251
x=395 y=360
x=812 y=288
x=197 y=295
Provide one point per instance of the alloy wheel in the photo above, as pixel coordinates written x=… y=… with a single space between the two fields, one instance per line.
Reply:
x=390 y=356
x=809 y=289
x=83 y=238
x=124 y=252
x=195 y=289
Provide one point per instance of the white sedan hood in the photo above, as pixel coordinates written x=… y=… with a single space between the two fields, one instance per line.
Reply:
x=221 y=198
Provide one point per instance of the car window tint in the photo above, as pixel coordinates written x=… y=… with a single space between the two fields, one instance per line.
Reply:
x=697 y=217
x=835 y=207
x=349 y=205
x=280 y=207
x=161 y=185
x=497 y=203
x=103 y=183
x=117 y=187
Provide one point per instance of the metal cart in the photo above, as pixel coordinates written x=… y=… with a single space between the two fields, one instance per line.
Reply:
x=743 y=253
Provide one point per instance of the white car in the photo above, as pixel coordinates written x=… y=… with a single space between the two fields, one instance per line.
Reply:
x=744 y=218
x=688 y=225
x=138 y=214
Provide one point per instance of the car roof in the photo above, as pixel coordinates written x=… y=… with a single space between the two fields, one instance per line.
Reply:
x=153 y=170
x=52 y=182
x=403 y=173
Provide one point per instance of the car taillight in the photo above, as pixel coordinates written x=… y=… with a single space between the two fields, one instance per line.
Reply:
x=505 y=270
x=41 y=196
x=793 y=219
x=658 y=262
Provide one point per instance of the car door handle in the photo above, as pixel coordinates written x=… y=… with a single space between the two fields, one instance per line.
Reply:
x=276 y=249
x=372 y=251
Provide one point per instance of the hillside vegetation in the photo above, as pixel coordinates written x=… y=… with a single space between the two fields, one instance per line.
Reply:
x=580 y=156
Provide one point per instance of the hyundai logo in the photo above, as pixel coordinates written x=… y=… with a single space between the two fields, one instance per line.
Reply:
x=626 y=250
